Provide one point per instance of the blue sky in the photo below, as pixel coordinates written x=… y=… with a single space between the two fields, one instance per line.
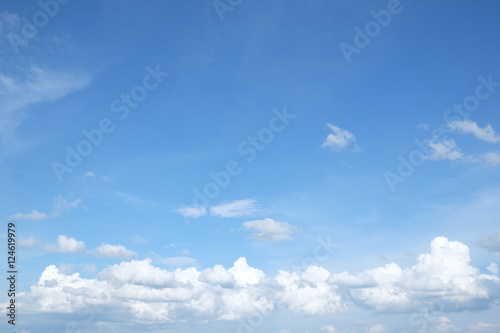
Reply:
x=237 y=166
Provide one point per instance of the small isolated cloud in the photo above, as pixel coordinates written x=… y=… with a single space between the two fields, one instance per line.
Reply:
x=446 y=150
x=34 y=216
x=270 y=230
x=88 y=174
x=377 y=329
x=339 y=140
x=329 y=329
x=66 y=244
x=493 y=268
x=192 y=211
x=491 y=243
x=236 y=208
x=470 y=127
x=25 y=243
x=114 y=251
x=444 y=325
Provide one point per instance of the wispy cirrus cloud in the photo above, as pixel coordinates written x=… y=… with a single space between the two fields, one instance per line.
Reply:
x=238 y=208
x=30 y=86
x=468 y=126
x=61 y=204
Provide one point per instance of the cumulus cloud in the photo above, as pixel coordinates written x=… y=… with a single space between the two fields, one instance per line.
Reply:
x=113 y=251
x=270 y=230
x=339 y=139
x=236 y=208
x=470 y=127
x=192 y=211
x=66 y=244
x=137 y=291
x=445 y=150
x=444 y=273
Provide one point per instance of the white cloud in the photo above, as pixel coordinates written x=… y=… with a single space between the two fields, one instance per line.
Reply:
x=446 y=150
x=339 y=140
x=491 y=158
x=443 y=273
x=309 y=293
x=192 y=211
x=493 y=268
x=470 y=127
x=444 y=325
x=138 y=292
x=32 y=85
x=376 y=329
x=113 y=251
x=25 y=243
x=34 y=216
x=88 y=174
x=236 y=208
x=329 y=329
x=270 y=230
x=61 y=204
x=66 y=244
